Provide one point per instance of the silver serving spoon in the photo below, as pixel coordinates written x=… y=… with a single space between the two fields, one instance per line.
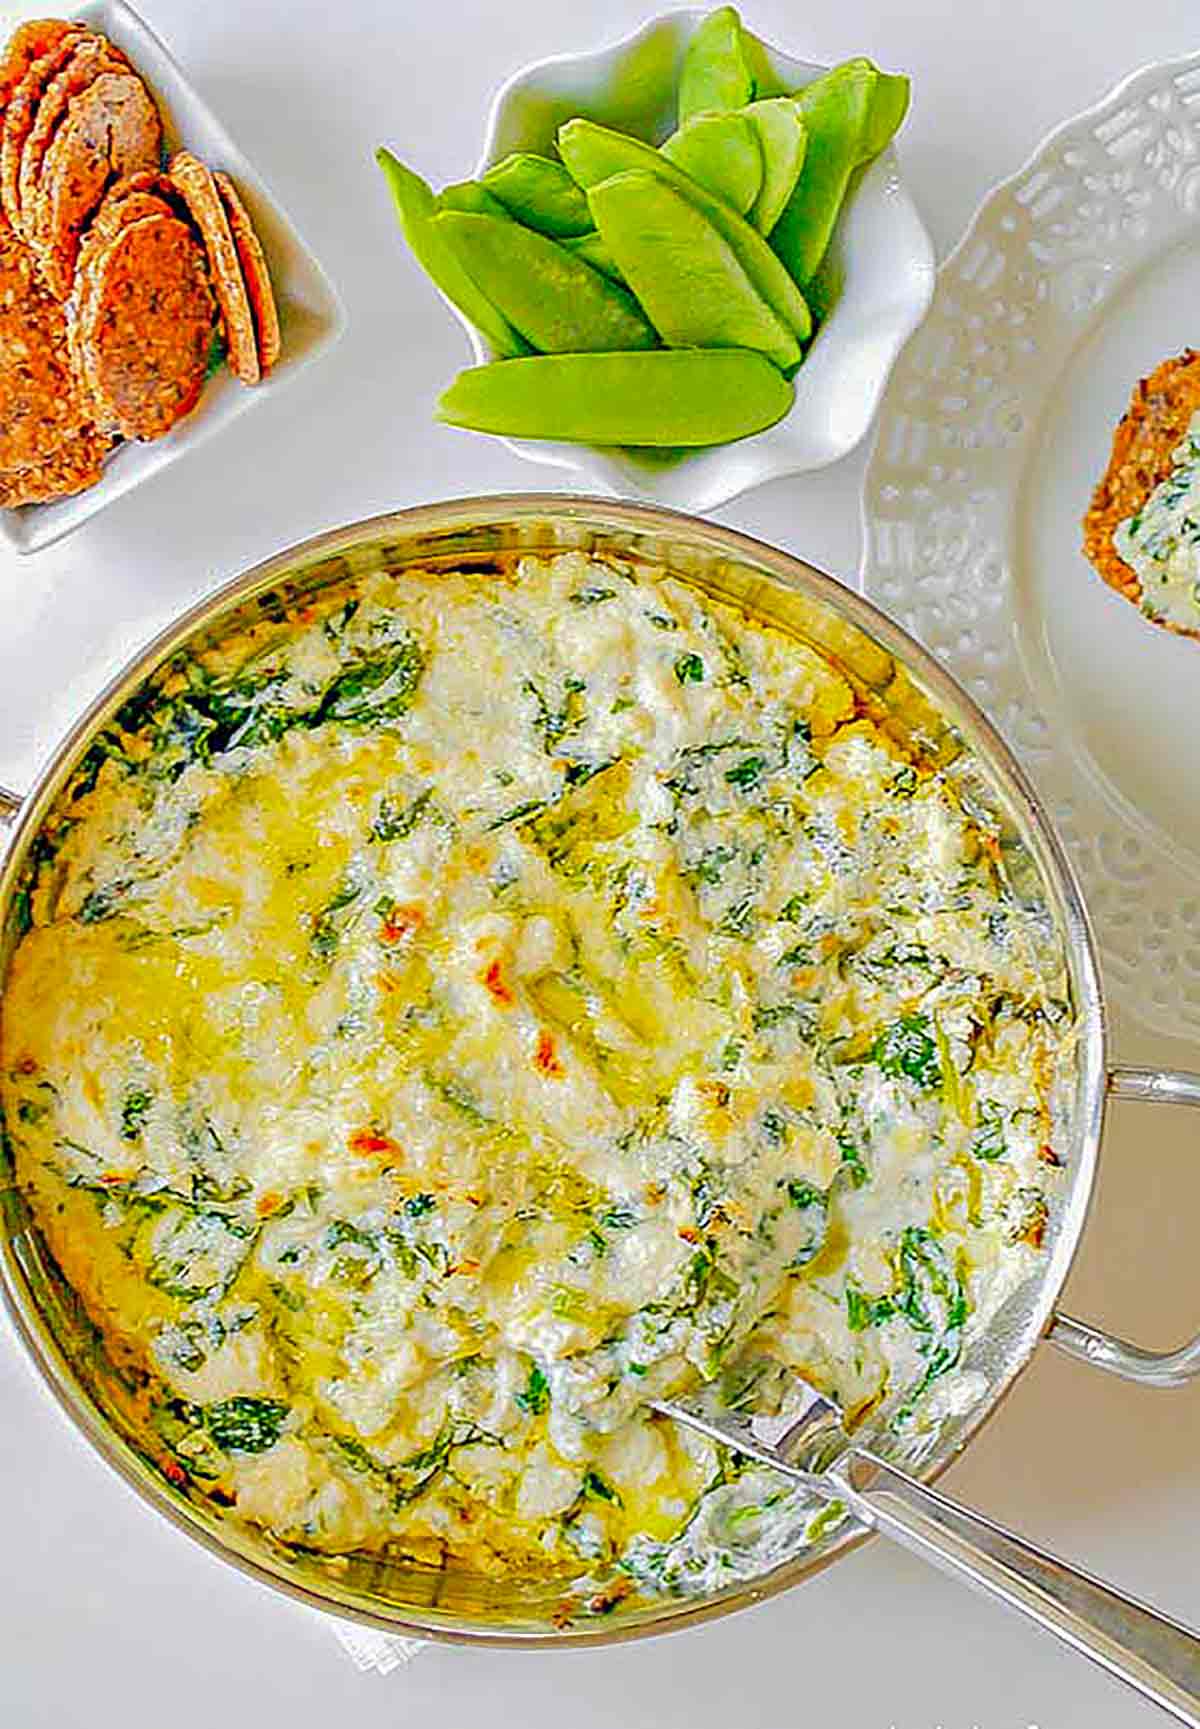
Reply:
x=1158 y=1657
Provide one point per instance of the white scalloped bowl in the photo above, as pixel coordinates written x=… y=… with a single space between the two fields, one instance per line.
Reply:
x=880 y=250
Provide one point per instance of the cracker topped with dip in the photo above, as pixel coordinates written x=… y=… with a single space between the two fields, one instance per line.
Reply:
x=1142 y=529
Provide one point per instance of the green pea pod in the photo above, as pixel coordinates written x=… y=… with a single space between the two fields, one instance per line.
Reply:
x=594 y=153
x=889 y=105
x=723 y=153
x=715 y=72
x=782 y=140
x=416 y=209
x=558 y=303
x=593 y=251
x=539 y=193
x=835 y=110
x=687 y=279
x=470 y=195
x=675 y=397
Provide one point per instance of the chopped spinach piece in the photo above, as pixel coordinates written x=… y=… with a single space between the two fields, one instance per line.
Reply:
x=394 y=821
x=802 y=1194
x=738 y=920
x=244 y=1425
x=555 y=723
x=852 y=1163
x=863 y=1311
x=135 y=1108
x=710 y=865
x=909 y=1047
x=774 y=1127
x=988 y=1141
x=330 y=923
x=689 y=669
x=933 y=1301
x=102 y=903
x=198 y=1254
x=519 y=812
x=375 y=690
x=595 y=1488
x=534 y=1397
x=799 y=956
x=746 y=773
x=813 y=1205
x=592 y=595
x=618 y=1218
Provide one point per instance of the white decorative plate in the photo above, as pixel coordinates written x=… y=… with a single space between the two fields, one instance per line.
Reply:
x=880 y=252
x=310 y=314
x=1073 y=281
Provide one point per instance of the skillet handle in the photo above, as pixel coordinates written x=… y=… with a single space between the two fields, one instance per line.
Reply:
x=1158 y=1657
x=1104 y=1350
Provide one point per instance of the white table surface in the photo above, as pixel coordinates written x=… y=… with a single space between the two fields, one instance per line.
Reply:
x=107 y=1616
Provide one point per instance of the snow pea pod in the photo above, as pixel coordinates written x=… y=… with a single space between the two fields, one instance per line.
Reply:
x=558 y=303
x=591 y=248
x=674 y=397
x=723 y=153
x=687 y=279
x=715 y=73
x=594 y=153
x=782 y=140
x=470 y=195
x=540 y=193
x=835 y=110
x=849 y=114
x=416 y=209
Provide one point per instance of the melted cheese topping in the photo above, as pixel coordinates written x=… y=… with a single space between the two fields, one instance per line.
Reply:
x=466 y=1008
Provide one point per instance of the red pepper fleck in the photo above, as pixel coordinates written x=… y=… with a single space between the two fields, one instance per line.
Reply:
x=545 y=1057
x=1047 y=1154
x=400 y=922
x=370 y=1141
x=494 y=983
x=268 y=1203
x=175 y=1473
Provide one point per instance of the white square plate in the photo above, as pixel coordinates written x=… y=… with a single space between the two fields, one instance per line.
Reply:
x=310 y=313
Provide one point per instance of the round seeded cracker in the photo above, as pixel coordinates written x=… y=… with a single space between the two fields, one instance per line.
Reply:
x=199 y=191
x=145 y=330
x=255 y=273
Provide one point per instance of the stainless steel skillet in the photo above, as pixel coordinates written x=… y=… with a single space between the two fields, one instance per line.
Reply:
x=910 y=693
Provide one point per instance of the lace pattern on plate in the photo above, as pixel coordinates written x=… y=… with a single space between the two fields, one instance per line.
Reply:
x=1103 y=195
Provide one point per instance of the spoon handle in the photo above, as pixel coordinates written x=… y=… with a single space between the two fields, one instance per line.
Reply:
x=1157 y=1656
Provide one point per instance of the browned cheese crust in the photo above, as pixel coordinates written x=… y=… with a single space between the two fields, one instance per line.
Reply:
x=21 y=113
x=111 y=129
x=1152 y=427
x=147 y=327
x=199 y=191
x=255 y=273
x=41 y=410
x=88 y=60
